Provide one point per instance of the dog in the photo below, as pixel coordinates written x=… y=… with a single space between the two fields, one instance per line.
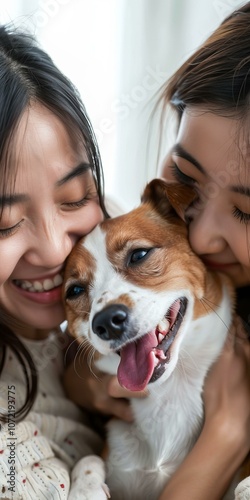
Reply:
x=159 y=319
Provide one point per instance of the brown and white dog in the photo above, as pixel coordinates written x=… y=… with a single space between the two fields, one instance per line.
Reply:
x=145 y=301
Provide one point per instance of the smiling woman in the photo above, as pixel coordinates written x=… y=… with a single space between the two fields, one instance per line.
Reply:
x=55 y=202
x=205 y=157
x=51 y=195
x=209 y=95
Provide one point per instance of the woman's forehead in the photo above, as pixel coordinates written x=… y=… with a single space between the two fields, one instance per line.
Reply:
x=40 y=137
x=41 y=124
x=214 y=138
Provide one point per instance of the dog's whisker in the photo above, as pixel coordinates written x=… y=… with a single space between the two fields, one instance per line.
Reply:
x=188 y=355
x=85 y=349
x=69 y=347
x=181 y=368
x=210 y=303
x=91 y=363
x=205 y=302
x=81 y=351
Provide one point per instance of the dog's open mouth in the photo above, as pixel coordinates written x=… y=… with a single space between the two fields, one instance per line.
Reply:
x=144 y=360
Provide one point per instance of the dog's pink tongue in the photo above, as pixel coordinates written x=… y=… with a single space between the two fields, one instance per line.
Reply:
x=137 y=363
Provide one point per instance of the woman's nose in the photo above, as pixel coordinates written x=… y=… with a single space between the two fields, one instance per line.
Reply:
x=50 y=247
x=205 y=231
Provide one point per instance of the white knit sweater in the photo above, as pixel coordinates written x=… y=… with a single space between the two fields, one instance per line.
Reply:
x=37 y=454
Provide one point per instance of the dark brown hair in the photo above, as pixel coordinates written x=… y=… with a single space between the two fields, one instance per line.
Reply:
x=217 y=75
x=28 y=74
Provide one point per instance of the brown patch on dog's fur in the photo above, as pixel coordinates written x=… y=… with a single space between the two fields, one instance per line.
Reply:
x=156 y=224
x=124 y=299
x=213 y=293
x=80 y=270
x=172 y=263
x=168 y=197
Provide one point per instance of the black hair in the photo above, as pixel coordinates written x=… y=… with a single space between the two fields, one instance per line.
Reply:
x=28 y=75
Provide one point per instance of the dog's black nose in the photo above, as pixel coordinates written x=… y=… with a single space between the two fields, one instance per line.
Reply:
x=111 y=322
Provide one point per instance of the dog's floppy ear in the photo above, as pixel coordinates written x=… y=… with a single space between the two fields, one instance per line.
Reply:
x=168 y=198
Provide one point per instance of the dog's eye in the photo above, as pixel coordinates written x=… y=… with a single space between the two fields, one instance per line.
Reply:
x=138 y=255
x=74 y=291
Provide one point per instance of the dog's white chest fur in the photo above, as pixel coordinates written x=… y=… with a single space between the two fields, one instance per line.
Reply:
x=144 y=454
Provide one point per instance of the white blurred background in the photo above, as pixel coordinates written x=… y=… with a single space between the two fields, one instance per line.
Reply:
x=118 y=53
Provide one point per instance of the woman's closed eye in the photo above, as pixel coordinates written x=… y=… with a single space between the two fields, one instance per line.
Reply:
x=180 y=176
x=242 y=216
x=78 y=203
x=9 y=231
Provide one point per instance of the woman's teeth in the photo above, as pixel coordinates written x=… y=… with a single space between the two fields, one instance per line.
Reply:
x=40 y=286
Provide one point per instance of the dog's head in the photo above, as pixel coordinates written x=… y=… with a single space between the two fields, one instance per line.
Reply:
x=133 y=284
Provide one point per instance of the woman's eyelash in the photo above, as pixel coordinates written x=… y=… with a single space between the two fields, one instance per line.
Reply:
x=185 y=179
x=78 y=204
x=242 y=216
x=4 y=233
x=180 y=176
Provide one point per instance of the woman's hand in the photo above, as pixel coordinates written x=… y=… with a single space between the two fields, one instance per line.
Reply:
x=225 y=438
x=96 y=391
x=227 y=389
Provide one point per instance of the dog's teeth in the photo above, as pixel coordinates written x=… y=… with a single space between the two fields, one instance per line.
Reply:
x=160 y=337
x=156 y=361
x=163 y=326
x=159 y=354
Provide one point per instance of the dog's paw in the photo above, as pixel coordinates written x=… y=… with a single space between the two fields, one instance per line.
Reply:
x=88 y=480
x=242 y=492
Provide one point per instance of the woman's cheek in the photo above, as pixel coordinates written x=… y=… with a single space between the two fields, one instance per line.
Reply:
x=11 y=252
x=86 y=219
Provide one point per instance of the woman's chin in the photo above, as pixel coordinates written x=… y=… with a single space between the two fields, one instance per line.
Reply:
x=28 y=322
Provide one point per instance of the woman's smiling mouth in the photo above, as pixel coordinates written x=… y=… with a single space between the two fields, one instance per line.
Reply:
x=39 y=285
x=219 y=265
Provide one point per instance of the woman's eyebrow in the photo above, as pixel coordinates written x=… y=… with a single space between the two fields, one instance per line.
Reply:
x=78 y=170
x=9 y=200
x=241 y=190
x=178 y=150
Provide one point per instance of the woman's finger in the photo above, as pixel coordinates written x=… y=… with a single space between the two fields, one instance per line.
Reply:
x=116 y=391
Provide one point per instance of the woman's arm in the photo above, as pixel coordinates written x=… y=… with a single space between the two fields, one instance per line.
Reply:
x=96 y=391
x=208 y=469
x=225 y=439
x=28 y=465
x=93 y=390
